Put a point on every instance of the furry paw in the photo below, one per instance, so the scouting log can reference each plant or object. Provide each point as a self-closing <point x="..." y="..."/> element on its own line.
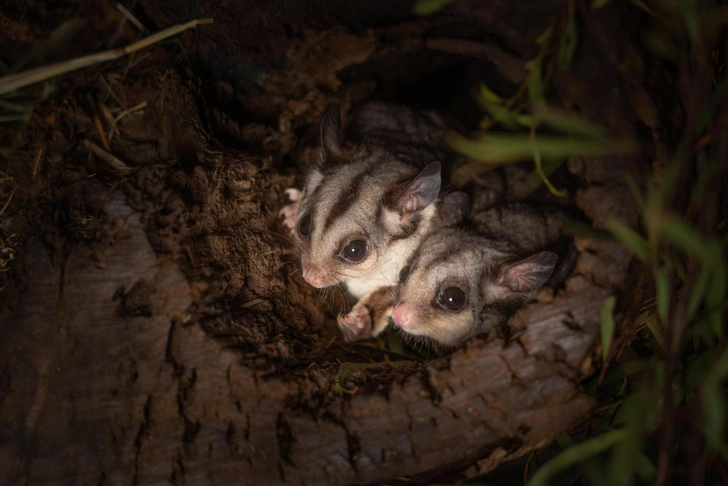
<point x="357" y="324"/>
<point x="290" y="211"/>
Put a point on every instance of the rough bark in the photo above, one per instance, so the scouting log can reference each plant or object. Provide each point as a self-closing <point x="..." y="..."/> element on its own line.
<point x="154" y="329"/>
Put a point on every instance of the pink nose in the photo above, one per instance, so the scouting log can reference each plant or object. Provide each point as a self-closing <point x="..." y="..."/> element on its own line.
<point x="315" y="276"/>
<point x="405" y="315"/>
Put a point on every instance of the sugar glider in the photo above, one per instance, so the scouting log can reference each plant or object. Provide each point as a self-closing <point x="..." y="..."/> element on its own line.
<point x="368" y="202"/>
<point x="461" y="283"/>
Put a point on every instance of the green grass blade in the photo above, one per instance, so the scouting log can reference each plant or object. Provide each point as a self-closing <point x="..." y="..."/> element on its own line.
<point x="12" y="82"/>
<point x="507" y="148"/>
<point x="499" y="113"/>
<point x="630" y="238"/>
<point x="536" y="89"/>
<point x="659" y="45"/>
<point x="656" y="332"/>
<point x="662" y="289"/>
<point x="714" y="403"/>
<point x="576" y="455"/>
<point x="607" y="326"/>
<point x="569" y="40"/>
<point x="644" y="468"/>
<point x="717" y="290"/>
<point x="636" y="193"/>
<point x="698" y="292"/>
<point x="429" y="7"/>
<point x="569" y="124"/>
<point x="565" y="441"/>
<point x="487" y="94"/>
<point x="617" y="374"/>
<point x="688" y="239"/>
<point x="537" y="162"/>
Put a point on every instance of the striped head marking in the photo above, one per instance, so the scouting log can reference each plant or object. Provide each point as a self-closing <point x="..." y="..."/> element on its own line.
<point x="362" y="213"/>
<point x="460" y="284"/>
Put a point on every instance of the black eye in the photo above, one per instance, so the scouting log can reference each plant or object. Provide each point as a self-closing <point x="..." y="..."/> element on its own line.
<point x="304" y="227"/>
<point x="451" y="298"/>
<point x="355" y="250"/>
<point x="404" y="273"/>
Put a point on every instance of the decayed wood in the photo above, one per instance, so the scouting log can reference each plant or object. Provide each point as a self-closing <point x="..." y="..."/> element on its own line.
<point x="167" y="340"/>
<point x="145" y="399"/>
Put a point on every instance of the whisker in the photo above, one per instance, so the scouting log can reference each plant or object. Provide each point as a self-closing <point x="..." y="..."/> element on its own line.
<point x="329" y="299"/>
<point x="344" y="298"/>
<point x="339" y="273"/>
<point x="322" y="294"/>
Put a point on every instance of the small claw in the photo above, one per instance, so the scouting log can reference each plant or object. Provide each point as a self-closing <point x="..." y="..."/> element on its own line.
<point x="294" y="194"/>
<point x="289" y="213"/>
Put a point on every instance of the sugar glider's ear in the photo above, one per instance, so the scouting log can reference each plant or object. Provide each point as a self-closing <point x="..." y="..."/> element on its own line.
<point x="420" y="192"/>
<point x="333" y="145"/>
<point x="529" y="274"/>
<point x="454" y="207"/>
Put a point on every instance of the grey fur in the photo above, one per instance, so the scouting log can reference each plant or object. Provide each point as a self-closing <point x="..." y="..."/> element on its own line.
<point x="359" y="190"/>
<point x="510" y="253"/>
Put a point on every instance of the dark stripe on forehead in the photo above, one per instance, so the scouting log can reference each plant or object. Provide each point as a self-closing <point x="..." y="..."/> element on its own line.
<point x="348" y="196"/>
<point x="442" y="257"/>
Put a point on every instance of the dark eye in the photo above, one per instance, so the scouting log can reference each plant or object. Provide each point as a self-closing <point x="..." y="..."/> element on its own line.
<point x="304" y="227"/>
<point x="355" y="250"/>
<point x="451" y="298"/>
<point x="404" y="273"/>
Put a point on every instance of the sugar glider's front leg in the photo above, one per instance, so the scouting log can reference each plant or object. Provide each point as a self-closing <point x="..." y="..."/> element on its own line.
<point x="290" y="211"/>
<point x="369" y="316"/>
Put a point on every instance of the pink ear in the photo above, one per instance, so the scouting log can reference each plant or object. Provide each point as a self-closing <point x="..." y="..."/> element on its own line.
<point x="420" y="192"/>
<point x="529" y="274"/>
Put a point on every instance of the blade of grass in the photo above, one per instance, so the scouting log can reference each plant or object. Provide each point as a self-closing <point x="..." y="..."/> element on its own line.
<point x="577" y="454"/>
<point x="662" y="289"/>
<point x="506" y="148"/>
<point x="698" y="293"/>
<point x="14" y="118"/>
<point x="644" y="468"/>
<point x="537" y="162"/>
<point x="487" y="94"/>
<point x="565" y="441"/>
<point x="630" y="238"/>
<point x="13" y="106"/>
<point x="688" y="239"/>
<point x="569" y="39"/>
<point x="536" y="87"/>
<point x="15" y="81"/>
<point x="714" y="403"/>
<point x="656" y="332"/>
<point x="569" y="124"/>
<point x="607" y="326"/>
<point x="636" y="193"/>
<point x="617" y="374"/>
<point x="429" y="7"/>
